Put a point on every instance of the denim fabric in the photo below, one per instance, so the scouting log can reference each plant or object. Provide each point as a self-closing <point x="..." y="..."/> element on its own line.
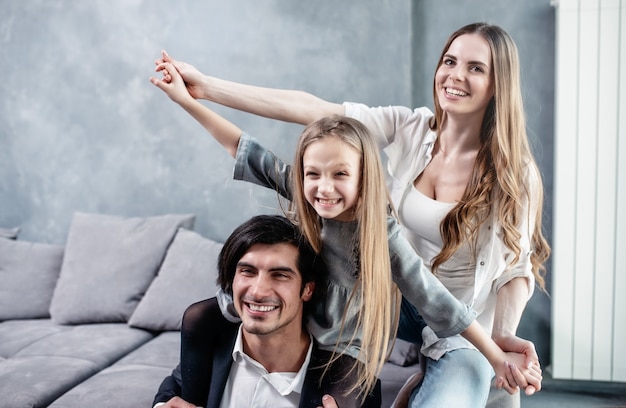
<point x="460" y="379"/>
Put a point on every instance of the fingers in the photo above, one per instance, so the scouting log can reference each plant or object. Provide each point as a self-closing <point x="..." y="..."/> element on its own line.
<point x="514" y="376"/>
<point x="166" y="57"/>
<point x="177" y="402"/>
<point x="531" y="356"/>
<point x="162" y="66"/>
<point x="535" y="369"/>
<point x="511" y="389"/>
<point x="529" y="380"/>
<point x="167" y="70"/>
<point x="328" y="402"/>
<point x="503" y="383"/>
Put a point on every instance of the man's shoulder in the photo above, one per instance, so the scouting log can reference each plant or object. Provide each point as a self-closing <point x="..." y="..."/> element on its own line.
<point x="205" y="316"/>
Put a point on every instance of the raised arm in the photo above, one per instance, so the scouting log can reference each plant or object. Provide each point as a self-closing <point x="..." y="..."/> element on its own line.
<point x="225" y="132"/>
<point x="286" y="105"/>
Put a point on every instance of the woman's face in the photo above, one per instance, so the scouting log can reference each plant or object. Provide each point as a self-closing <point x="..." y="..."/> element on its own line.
<point x="464" y="79"/>
<point x="332" y="173"/>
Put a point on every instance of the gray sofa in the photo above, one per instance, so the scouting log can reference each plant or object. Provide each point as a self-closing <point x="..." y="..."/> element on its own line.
<point x="94" y="323"/>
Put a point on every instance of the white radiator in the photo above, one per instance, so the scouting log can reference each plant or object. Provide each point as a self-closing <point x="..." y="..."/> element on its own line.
<point x="589" y="230"/>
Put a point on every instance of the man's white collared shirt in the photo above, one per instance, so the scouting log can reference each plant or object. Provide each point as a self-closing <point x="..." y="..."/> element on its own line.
<point x="251" y="385"/>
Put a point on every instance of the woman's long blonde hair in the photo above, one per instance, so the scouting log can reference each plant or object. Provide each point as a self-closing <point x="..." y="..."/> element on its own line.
<point x="504" y="170"/>
<point x="377" y="296"/>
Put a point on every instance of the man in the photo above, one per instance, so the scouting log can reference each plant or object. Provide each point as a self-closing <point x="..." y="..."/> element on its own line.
<point x="269" y="359"/>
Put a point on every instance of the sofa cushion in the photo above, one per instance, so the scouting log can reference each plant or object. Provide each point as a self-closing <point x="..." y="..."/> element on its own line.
<point x="44" y="360"/>
<point x="37" y="381"/>
<point x="188" y="274"/>
<point x="109" y="263"/>
<point x="16" y="335"/>
<point x="10" y="233"/>
<point x="28" y="275"/>
<point x="131" y="382"/>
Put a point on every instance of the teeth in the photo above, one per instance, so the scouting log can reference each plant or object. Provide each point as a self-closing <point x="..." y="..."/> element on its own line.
<point x="323" y="201"/>
<point x="258" y="308"/>
<point x="456" y="92"/>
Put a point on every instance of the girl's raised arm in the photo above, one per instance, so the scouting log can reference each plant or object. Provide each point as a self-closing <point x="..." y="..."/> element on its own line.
<point x="225" y="132"/>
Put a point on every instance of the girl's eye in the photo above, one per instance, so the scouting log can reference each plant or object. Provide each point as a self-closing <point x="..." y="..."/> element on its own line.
<point x="448" y="61"/>
<point x="310" y="174"/>
<point x="476" y="68"/>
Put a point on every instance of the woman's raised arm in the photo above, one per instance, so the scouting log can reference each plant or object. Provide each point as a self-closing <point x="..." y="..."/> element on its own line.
<point x="286" y="105"/>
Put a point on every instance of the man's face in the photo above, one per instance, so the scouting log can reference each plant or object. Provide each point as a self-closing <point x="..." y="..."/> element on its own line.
<point x="266" y="290"/>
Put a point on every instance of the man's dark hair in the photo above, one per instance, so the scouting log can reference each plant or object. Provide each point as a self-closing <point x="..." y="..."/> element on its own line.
<point x="268" y="229"/>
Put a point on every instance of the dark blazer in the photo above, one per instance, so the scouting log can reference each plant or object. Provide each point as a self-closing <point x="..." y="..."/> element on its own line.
<point x="207" y="341"/>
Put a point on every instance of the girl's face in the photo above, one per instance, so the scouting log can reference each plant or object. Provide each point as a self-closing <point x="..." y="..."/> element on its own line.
<point x="332" y="175"/>
<point x="464" y="79"/>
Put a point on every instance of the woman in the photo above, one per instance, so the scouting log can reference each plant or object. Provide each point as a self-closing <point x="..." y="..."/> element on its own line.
<point x="465" y="185"/>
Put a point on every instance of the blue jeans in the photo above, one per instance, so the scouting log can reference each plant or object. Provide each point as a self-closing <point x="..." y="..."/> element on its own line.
<point x="460" y="378"/>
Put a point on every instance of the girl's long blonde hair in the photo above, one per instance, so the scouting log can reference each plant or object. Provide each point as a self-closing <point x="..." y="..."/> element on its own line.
<point x="377" y="296"/>
<point x="505" y="177"/>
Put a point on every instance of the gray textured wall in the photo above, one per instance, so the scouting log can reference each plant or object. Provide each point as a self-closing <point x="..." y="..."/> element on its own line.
<point x="82" y="129"/>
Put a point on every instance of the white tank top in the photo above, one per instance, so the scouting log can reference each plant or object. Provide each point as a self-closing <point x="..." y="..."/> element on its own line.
<point x="421" y="217"/>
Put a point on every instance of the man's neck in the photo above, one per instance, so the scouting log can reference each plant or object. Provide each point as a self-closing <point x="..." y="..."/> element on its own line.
<point x="277" y="353"/>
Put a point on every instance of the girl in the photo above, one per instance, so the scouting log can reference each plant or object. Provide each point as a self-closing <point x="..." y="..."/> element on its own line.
<point x="340" y="202"/>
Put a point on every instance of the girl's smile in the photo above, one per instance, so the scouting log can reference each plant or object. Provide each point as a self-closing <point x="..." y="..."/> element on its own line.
<point x="332" y="173"/>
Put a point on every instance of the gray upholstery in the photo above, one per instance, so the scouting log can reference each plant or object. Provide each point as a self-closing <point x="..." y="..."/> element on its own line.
<point x="135" y="378"/>
<point x="108" y="265"/>
<point x="188" y="275"/>
<point x="29" y="265"/>
<point x="43" y="360"/>
<point x="120" y="364"/>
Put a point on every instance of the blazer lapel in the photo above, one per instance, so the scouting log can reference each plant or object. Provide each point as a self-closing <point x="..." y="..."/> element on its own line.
<point x="222" y="361"/>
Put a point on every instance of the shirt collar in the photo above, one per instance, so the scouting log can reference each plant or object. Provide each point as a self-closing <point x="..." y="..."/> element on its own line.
<point x="277" y="381"/>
